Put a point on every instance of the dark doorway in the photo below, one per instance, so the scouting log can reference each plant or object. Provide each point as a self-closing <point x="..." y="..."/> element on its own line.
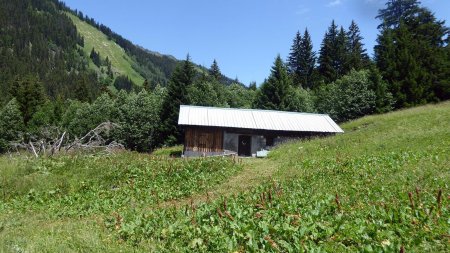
<point x="269" y="140"/>
<point x="245" y="145"/>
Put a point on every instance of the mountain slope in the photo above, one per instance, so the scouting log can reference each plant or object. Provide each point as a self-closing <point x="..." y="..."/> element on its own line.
<point x="43" y="42"/>
<point x="153" y="66"/>
<point x="39" y="43"/>
<point x="121" y="63"/>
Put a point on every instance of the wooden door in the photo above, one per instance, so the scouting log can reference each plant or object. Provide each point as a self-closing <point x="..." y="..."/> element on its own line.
<point x="245" y="145"/>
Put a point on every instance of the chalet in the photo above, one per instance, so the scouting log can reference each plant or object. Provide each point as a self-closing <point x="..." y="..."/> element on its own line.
<point x="219" y="131"/>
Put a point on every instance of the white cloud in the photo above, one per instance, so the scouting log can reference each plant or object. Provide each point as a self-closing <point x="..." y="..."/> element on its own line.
<point x="334" y="3"/>
<point x="302" y="10"/>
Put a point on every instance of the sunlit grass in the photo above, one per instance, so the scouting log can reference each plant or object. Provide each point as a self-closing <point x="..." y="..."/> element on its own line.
<point x="94" y="38"/>
<point x="374" y="188"/>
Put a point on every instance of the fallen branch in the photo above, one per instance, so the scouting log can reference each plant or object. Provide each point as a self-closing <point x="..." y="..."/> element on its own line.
<point x="34" y="150"/>
<point x="60" y="141"/>
<point x="91" y="140"/>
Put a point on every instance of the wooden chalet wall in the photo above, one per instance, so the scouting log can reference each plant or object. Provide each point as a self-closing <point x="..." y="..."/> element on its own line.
<point x="199" y="139"/>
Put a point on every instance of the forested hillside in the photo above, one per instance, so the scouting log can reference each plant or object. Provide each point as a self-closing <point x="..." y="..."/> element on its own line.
<point x="39" y="51"/>
<point x="69" y="55"/>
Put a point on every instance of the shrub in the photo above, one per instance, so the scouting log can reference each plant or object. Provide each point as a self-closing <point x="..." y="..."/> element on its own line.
<point x="11" y="124"/>
<point x="138" y="118"/>
<point x="347" y="98"/>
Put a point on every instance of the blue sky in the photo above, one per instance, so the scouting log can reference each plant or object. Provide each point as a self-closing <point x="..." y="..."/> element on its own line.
<point x="244" y="36"/>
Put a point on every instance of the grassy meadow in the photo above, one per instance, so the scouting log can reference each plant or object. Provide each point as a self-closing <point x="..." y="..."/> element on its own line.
<point x="93" y="38"/>
<point x="380" y="187"/>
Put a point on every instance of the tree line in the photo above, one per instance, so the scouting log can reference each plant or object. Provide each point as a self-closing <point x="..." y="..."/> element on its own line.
<point x="38" y="41"/>
<point x="144" y="116"/>
<point x="410" y="67"/>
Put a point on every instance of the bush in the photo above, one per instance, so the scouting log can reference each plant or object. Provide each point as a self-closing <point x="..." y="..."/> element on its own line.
<point x="299" y="100"/>
<point x="138" y="118"/>
<point x="239" y="96"/>
<point x="47" y="117"/>
<point x="11" y="124"/>
<point x="205" y="93"/>
<point x="347" y="98"/>
<point x="87" y="117"/>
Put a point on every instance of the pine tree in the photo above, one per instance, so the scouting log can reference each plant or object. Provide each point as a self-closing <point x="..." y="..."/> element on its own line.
<point x="307" y="61"/>
<point x="177" y="94"/>
<point x="395" y="11"/>
<point x="383" y="98"/>
<point x="341" y="57"/>
<point x="95" y="56"/>
<point x="214" y="71"/>
<point x="293" y="62"/>
<point x="124" y="83"/>
<point x="442" y="86"/>
<point x="411" y="55"/>
<point x="109" y="71"/>
<point x="11" y="124"/>
<point x="358" y="58"/>
<point x="29" y="93"/>
<point x="147" y="86"/>
<point x="274" y="91"/>
<point x="327" y="56"/>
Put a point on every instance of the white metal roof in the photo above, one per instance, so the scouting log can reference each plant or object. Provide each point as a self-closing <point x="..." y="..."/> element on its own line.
<point x="256" y="119"/>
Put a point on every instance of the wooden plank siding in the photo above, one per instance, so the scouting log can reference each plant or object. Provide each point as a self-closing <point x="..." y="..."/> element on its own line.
<point x="205" y="140"/>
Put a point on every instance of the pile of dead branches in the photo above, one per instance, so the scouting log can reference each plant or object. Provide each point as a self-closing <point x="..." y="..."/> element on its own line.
<point x="93" y="140"/>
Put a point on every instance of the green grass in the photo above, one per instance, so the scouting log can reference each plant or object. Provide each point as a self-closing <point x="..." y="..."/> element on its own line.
<point x="373" y="189"/>
<point x="93" y="38"/>
<point x="55" y="194"/>
<point x="169" y="151"/>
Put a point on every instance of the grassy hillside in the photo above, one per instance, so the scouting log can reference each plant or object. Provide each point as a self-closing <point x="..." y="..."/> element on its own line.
<point x="158" y="67"/>
<point x="93" y="38"/>
<point x="381" y="186"/>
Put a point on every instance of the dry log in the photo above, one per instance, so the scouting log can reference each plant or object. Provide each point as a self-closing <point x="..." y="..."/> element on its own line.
<point x="34" y="150"/>
<point x="91" y="140"/>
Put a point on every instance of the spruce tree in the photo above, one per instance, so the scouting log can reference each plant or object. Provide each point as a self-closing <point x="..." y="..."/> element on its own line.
<point x="123" y="83"/>
<point x="395" y="11"/>
<point x="11" y="124"/>
<point x="358" y="58"/>
<point x="95" y="56"/>
<point x="29" y="93"/>
<point x="341" y="57"/>
<point x="411" y="54"/>
<point x="293" y="62"/>
<point x="383" y="98"/>
<point x="177" y="94"/>
<point x="327" y="56"/>
<point x="307" y="61"/>
<point x="274" y="90"/>
<point x="148" y="86"/>
<point x="109" y="71"/>
<point x="214" y="71"/>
